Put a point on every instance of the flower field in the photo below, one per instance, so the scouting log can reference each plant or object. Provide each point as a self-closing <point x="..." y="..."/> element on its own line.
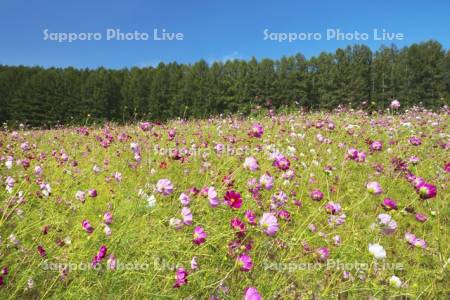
<point x="273" y="206"/>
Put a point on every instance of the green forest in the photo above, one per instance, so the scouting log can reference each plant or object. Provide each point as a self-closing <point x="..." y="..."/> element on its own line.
<point x="354" y="76"/>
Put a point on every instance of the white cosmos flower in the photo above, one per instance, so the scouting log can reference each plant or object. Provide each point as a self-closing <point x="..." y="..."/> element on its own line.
<point x="151" y="201"/>
<point x="377" y="251"/>
<point x="395" y="281"/>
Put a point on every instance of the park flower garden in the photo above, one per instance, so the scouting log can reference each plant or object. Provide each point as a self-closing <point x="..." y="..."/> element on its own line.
<point x="271" y="206"/>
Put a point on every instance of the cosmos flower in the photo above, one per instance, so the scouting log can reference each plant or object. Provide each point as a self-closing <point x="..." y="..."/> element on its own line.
<point x="244" y="262"/>
<point x="377" y="251"/>
<point x="233" y="199"/>
<point x="107" y="217"/>
<point x="212" y="197"/>
<point x="333" y="208"/>
<point x="199" y="235"/>
<point x="426" y="190"/>
<point x="281" y="162"/>
<point x="395" y="104"/>
<point x="376" y="146"/>
<point x="250" y="217"/>
<point x="421" y="217"/>
<point x="87" y="226"/>
<point x="41" y="251"/>
<point x="237" y="224"/>
<point x="316" y="195"/>
<point x="107" y="230"/>
<point x="251" y="293"/>
<point x="251" y="163"/>
<point x="395" y="281"/>
<point x="388" y="225"/>
<point x="194" y="264"/>
<point x="269" y="224"/>
<point x="151" y="201"/>
<point x="176" y="223"/>
<point x="322" y="253"/>
<point x="256" y="131"/>
<point x="389" y="204"/>
<point x="164" y="186"/>
<point x="415" y="141"/>
<point x="111" y="263"/>
<point x="187" y="215"/>
<point x="80" y="196"/>
<point x="185" y="199"/>
<point x="92" y="193"/>
<point x="415" y="241"/>
<point x="374" y="187"/>
<point x="180" y="277"/>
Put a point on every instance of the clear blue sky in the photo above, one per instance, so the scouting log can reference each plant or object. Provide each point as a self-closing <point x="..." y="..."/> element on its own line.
<point x="213" y="30"/>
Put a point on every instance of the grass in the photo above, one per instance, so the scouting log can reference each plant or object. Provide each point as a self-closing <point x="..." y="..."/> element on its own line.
<point x="148" y="250"/>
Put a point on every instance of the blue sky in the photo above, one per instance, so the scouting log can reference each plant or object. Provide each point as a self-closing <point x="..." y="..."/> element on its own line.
<point x="213" y="30"/>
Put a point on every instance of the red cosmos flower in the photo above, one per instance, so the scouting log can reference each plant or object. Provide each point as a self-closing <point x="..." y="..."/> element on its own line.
<point x="233" y="199"/>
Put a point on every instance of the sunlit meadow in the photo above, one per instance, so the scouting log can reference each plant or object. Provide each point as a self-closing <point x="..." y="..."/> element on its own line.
<point x="274" y="206"/>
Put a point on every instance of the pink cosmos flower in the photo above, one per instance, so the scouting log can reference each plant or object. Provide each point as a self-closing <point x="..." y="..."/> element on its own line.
<point x="185" y="199"/>
<point x="212" y="196"/>
<point x="187" y="215"/>
<point x="194" y="264"/>
<point x="100" y="255"/>
<point x="415" y="241"/>
<point x="284" y="215"/>
<point x="180" y="277"/>
<point x="251" y="293"/>
<point x="421" y="217"/>
<point x="316" y="195"/>
<point x="87" y="226"/>
<point x="415" y="141"/>
<point x="81" y="196"/>
<point x="333" y="208"/>
<point x="250" y="217"/>
<point x="245" y="262"/>
<point x="256" y="131"/>
<point x="269" y="224"/>
<point x="237" y="224"/>
<point x="388" y="225"/>
<point x="233" y="199"/>
<point x="164" y="186"/>
<point x="322" y="253"/>
<point x="111" y="262"/>
<point x="176" y="223"/>
<point x="426" y="190"/>
<point x="199" y="235"/>
<point x="251" y="163"/>
<point x="145" y="126"/>
<point x="374" y="187"/>
<point x="395" y="104"/>
<point x="107" y="217"/>
<point x="376" y="146"/>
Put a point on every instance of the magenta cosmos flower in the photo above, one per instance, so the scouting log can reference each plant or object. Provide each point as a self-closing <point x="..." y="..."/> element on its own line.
<point x="180" y="277"/>
<point x="251" y="163"/>
<point x="316" y="195"/>
<point x="87" y="226"/>
<point x="164" y="186"/>
<point x="269" y="224"/>
<point x="374" y="187"/>
<point x="256" y="131"/>
<point x="251" y="293"/>
<point x="281" y="162"/>
<point x="199" y="235"/>
<point x="426" y="190"/>
<point x="415" y="141"/>
<point x="250" y="217"/>
<point x="389" y="204"/>
<point x="245" y="262"/>
<point x="233" y="199"/>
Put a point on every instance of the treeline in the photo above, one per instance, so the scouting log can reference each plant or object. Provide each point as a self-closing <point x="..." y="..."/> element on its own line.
<point x="354" y="76"/>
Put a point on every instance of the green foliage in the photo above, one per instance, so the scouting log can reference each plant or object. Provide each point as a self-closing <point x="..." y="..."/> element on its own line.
<point x="353" y="76"/>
